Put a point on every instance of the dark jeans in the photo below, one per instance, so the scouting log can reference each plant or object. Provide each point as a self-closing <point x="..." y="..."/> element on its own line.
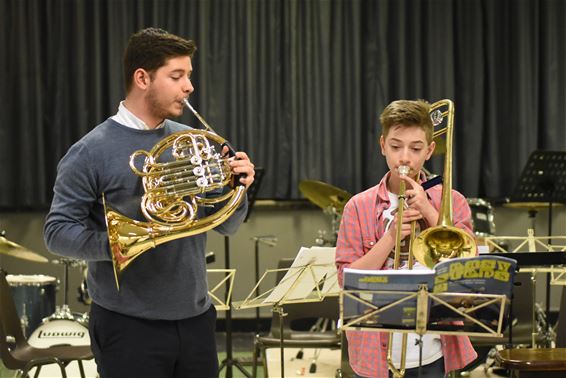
<point x="434" y="370"/>
<point x="126" y="346"/>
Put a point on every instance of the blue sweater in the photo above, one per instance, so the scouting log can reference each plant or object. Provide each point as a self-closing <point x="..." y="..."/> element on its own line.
<point x="167" y="282"/>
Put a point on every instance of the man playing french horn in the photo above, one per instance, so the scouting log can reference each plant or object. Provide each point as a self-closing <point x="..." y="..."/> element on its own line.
<point x="369" y="233"/>
<point x="160" y="321"/>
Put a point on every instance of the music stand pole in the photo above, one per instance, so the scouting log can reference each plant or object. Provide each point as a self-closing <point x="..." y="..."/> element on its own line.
<point x="229" y="361"/>
<point x="547" y="341"/>
<point x="256" y="256"/>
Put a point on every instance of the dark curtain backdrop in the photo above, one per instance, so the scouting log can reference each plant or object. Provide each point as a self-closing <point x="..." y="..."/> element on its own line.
<point x="299" y="85"/>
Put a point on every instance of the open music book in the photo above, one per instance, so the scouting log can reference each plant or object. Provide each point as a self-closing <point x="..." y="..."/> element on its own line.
<point x="453" y="281"/>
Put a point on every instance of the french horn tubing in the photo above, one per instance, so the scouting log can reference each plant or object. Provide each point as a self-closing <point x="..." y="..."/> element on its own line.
<point x="176" y="175"/>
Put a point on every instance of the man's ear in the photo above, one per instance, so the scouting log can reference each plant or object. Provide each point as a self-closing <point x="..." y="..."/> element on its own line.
<point x="382" y="144"/>
<point x="141" y="78"/>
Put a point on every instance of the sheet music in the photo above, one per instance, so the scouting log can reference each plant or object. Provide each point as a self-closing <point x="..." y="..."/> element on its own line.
<point x="312" y="266"/>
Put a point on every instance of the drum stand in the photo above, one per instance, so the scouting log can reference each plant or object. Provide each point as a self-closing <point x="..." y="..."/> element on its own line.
<point x="64" y="311"/>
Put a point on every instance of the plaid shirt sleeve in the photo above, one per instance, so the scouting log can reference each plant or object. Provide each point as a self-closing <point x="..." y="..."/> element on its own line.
<point x="349" y="243"/>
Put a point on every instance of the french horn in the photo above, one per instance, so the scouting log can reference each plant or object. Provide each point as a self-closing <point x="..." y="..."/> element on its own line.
<point x="176" y="175"/>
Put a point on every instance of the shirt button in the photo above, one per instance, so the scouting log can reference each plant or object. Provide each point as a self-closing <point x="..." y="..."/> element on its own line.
<point x="371" y="243"/>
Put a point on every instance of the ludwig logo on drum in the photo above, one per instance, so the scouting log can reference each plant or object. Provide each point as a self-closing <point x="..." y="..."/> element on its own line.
<point x="57" y="334"/>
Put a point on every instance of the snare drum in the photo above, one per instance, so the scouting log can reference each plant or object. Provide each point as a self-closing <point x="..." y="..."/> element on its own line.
<point x="34" y="297"/>
<point x="62" y="332"/>
<point x="482" y="217"/>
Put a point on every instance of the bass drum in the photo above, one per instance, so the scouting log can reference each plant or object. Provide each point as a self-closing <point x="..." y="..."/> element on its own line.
<point x="62" y="332"/>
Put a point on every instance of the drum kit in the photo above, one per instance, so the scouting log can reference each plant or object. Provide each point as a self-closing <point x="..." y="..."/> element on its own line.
<point x="42" y="322"/>
<point x="332" y="201"/>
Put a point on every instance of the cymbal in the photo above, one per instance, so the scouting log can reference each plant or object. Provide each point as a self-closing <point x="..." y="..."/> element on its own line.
<point x="15" y="250"/>
<point x="324" y="195"/>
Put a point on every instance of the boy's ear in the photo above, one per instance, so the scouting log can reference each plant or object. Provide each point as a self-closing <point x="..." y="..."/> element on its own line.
<point x="431" y="148"/>
<point x="382" y="144"/>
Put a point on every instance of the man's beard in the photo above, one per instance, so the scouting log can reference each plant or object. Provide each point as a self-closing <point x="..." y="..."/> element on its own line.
<point x="158" y="108"/>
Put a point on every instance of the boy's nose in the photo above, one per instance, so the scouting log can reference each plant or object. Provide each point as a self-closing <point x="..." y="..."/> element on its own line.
<point x="404" y="158"/>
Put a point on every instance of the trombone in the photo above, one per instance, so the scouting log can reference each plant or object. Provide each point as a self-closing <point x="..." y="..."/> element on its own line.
<point x="443" y="241"/>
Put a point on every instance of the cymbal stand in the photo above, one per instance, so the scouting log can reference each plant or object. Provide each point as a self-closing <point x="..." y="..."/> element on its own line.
<point x="322" y="239"/>
<point x="63" y="312"/>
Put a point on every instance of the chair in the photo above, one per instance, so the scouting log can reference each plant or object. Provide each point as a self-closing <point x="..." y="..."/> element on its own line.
<point x="15" y="351"/>
<point x="293" y="338"/>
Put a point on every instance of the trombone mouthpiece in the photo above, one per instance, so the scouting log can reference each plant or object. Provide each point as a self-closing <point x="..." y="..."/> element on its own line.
<point x="403" y="170"/>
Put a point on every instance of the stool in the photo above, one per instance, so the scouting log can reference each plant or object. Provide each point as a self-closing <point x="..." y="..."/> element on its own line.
<point x="529" y="362"/>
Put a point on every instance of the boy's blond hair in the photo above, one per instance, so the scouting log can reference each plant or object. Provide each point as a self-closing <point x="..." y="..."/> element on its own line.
<point x="407" y="113"/>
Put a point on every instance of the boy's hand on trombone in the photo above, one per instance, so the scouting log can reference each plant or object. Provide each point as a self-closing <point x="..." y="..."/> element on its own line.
<point x="417" y="199"/>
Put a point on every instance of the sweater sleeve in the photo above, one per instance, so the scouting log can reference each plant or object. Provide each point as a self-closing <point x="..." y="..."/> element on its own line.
<point x="231" y="225"/>
<point x="68" y="231"/>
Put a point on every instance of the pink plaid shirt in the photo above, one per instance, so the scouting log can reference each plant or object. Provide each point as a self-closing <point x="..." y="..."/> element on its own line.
<point x="361" y="227"/>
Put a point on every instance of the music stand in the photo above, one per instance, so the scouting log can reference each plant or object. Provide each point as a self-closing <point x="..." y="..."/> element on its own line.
<point x="422" y="302"/>
<point x="228" y="279"/>
<point x="540" y="258"/>
<point x="542" y="182"/>
<point x="228" y="362"/>
<point x="254" y="189"/>
<point x="311" y="278"/>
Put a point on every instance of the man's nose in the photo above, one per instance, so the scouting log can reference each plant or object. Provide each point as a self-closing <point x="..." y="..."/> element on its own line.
<point x="189" y="86"/>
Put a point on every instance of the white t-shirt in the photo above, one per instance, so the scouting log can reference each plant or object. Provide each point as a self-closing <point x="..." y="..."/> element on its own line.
<point x="432" y="347"/>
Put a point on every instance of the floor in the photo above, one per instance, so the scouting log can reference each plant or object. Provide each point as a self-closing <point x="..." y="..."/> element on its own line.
<point x="242" y="346"/>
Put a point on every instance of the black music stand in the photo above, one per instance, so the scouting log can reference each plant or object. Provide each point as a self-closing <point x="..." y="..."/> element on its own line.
<point x="228" y="362"/>
<point x="253" y="189"/>
<point x="542" y="181"/>
<point x="270" y="240"/>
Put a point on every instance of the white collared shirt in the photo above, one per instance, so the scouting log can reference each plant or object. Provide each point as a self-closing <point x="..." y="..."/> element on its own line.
<point x="127" y="118"/>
